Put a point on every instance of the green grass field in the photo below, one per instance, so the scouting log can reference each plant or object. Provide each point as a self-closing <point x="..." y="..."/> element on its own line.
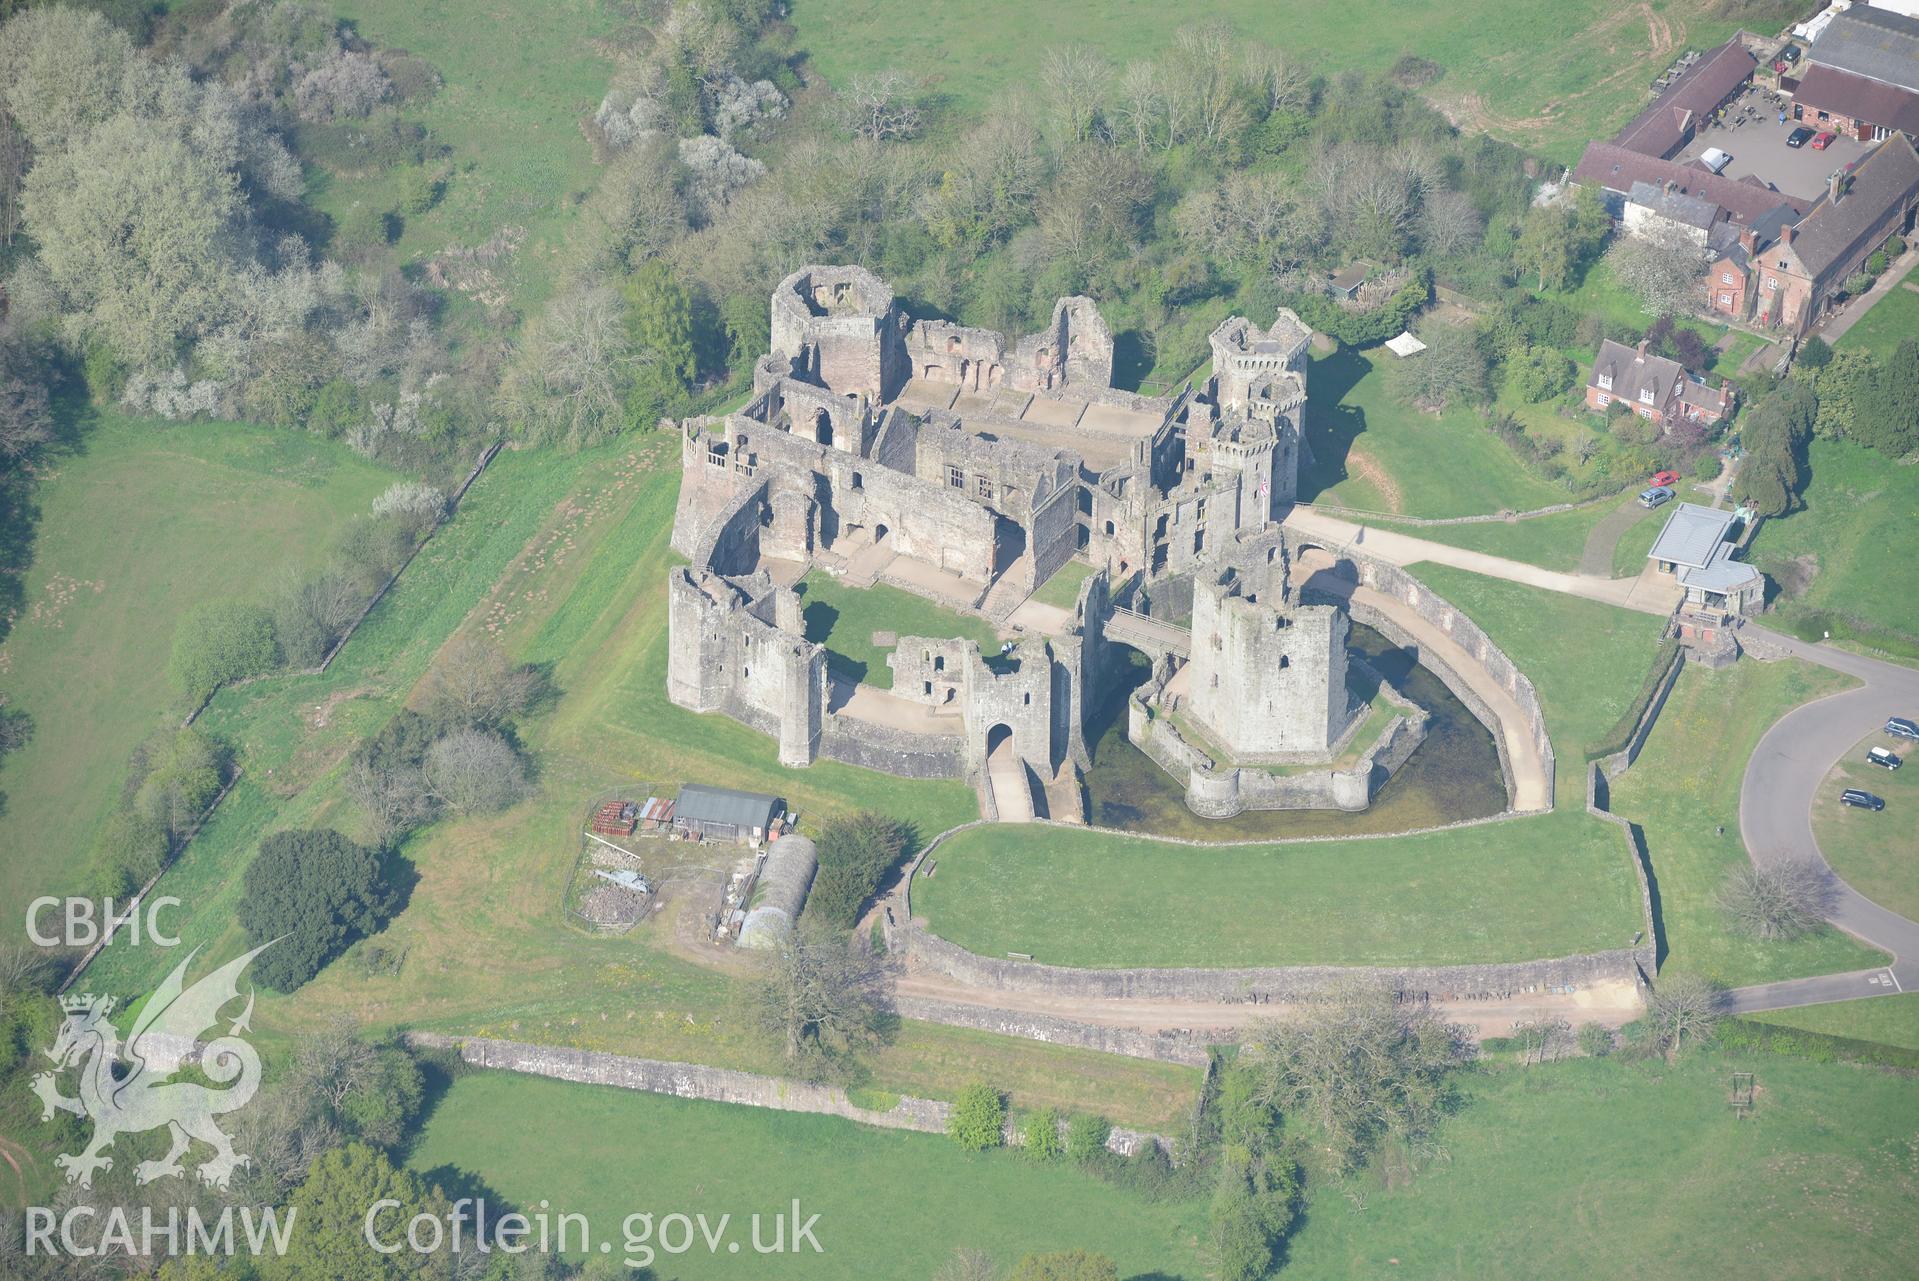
<point x="144" y="521"/>
<point x="1513" y="72"/>
<point x="1685" y="786"/>
<point x="1372" y="453"/>
<point x="1889" y="1020"/>
<point x="844" y="619"/>
<point x="510" y="111"/>
<point x="1892" y="319"/>
<point x="1630" y="552"/>
<point x="1506" y="891"/>
<point x="1863" y="585"/>
<point x="1879" y="859"/>
<point x="1639" y="1169"/>
<point x="891" y="1204"/>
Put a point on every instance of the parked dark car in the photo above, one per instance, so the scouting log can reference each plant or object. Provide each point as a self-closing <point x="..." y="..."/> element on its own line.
<point x="1799" y="137"/>
<point x="1882" y="758"/>
<point x="1860" y="800"/>
<point x="1900" y="727"/>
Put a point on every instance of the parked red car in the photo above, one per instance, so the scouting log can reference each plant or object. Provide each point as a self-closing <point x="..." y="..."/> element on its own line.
<point x="1823" y="141"/>
<point x="1665" y="478"/>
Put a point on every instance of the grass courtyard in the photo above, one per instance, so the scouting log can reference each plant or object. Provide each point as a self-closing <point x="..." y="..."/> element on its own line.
<point x="1685" y="786"/>
<point x="138" y="525"/>
<point x="845" y="620"/>
<point x="1843" y="551"/>
<point x="1879" y="859"/>
<point x="891" y="1204"/>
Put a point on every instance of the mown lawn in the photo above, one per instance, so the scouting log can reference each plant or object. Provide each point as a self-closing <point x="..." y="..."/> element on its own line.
<point x="1062" y="589"/>
<point x="844" y="620"/>
<point x="1630" y="552"/>
<point x="1603" y="1167"/>
<point x="1512" y="71"/>
<point x="1849" y="539"/>
<point x="891" y="1204"/>
<point x="1877" y="857"/>
<point x="1892" y="319"/>
<point x="1585" y="659"/>
<point x="1371" y="452"/>
<point x="144" y="521"/>
<point x="1506" y="891"/>
<point x="1685" y="786"/>
<point x="1889" y="1020"/>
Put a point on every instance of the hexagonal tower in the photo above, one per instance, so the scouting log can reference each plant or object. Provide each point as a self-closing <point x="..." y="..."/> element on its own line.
<point x="842" y="329"/>
<point x="1259" y="377"/>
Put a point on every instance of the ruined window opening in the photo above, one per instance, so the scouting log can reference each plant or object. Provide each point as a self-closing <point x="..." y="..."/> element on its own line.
<point x="939" y="664"/>
<point x="985" y="487"/>
<point x="956" y="478"/>
<point x="927" y="688"/>
<point x="1026" y="700"/>
<point x="1284" y="662"/>
<point x="859" y="481"/>
<point x="1109" y="529"/>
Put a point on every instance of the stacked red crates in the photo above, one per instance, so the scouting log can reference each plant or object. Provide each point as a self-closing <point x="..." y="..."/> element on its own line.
<point x="617" y="818"/>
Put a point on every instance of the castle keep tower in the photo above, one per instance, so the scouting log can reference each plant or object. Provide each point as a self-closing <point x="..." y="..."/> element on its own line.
<point x="1268" y="678"/>
<point x="1259" y="384"/>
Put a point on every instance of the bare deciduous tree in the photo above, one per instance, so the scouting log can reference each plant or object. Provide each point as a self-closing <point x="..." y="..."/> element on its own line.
<point x="474" y="771"/>
<point x="1075" y="78"/>
<point x="882" y="105"/>
<point x="1358" y="1069"/>
<point x="967" y="1264"/>
<point x="1544" y="1038"/>
<point x="1778" y="900"/>
<point x="1449" y="222"/>
<point x="822" y="1000"/>
<point x="474" y="683"/>
<point x="393" y="798"/>
<point x="1684" y="1010"/>
<point x="569" y="380"/>
<point x="332" y="1063"/>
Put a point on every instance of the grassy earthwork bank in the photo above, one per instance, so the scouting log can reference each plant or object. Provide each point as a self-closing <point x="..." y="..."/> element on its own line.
<point x="1879" y="859"/>
<point x="1554" y="541"/>
<point x="1372" y="453"/>
<point x="1606" y="1167"/>
<point x="1685" y="787"/>
<point x="137" y="525"/>
<point x="1841" y="560"/>
<point x="891" y="1204"/>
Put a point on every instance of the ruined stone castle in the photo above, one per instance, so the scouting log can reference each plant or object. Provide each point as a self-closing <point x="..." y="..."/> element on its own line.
<point x="967" y="467"/>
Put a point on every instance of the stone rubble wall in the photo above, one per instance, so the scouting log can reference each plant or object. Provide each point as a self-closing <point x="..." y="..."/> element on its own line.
<point x="1186" y="1046"/>
<point x="718" y="1085"/>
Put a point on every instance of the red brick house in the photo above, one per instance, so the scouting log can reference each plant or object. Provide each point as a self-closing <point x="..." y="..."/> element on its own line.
<point x="1657" y="389"/>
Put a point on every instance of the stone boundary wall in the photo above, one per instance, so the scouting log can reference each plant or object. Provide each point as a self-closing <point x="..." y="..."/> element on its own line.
<point x="1620" y="761"/>
<point x="719" y="1085"/>
<point x="1184" y="1046"/>
<point x="1646" y="948"/>
<point x="1260" y="985"/>
<point x="891" y="750"/>
<point x="1468" y="635"/>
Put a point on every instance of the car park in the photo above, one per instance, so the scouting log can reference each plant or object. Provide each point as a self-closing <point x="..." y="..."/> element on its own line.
<point x="1655" y="496"/>
<point x="1900" y="727"/>
<point x="1799" y="137"/>
<point x="1861" y="800"/>
<point x="1882" y="758"/>
<point x="1824" y="140"/>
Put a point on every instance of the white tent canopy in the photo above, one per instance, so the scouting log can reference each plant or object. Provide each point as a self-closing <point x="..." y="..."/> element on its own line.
<point x="1405" y="345"/>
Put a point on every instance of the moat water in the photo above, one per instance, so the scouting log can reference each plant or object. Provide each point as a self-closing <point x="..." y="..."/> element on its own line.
<point x="1452" y="777"/>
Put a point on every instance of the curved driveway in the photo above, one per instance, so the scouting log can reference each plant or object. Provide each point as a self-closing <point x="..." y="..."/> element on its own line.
<point x="1775" y="817"/>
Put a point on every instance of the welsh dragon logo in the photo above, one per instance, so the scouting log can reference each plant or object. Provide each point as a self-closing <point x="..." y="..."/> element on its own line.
<point x="139" y="1097"/>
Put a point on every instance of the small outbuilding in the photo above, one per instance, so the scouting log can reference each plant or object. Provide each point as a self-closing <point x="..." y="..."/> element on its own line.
<point x="780" y="892"/>
<point x="1695" y="550"/>
<point x="722" y="814"/>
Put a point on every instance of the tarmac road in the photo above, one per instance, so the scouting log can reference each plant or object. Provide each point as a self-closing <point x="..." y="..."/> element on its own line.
<point x="1775" y="818"/>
